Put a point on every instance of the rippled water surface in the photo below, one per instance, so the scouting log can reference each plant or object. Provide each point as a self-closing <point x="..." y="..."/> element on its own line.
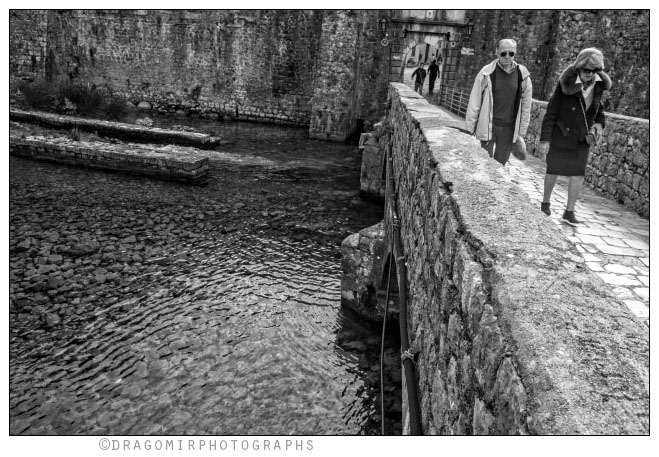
<point x="140" y="306"/>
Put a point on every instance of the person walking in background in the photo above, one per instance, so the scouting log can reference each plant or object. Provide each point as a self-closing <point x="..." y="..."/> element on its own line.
<point x="499" y="107"/>
<point x="419" y="76"/>
<point x="574" y="121"/>
<point x="433" y="71"/>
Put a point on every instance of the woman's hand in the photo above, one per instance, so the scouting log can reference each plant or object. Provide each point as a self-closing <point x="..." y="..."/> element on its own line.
<point x="543" y="149"/>
<point x="597" y="129"/>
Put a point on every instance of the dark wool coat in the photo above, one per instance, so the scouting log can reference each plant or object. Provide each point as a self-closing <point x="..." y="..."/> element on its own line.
<point x="564" y="124"/>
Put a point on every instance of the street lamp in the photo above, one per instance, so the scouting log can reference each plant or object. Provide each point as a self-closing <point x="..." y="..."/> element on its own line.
<point x="470" y="27"/>
<point x="383" y="24"/>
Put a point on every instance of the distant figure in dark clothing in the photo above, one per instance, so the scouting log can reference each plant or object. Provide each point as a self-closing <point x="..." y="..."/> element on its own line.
<point x="433" y="71"/>
<point x="419" y="76"/>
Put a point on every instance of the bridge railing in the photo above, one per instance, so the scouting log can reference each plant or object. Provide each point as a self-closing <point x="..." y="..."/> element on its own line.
<point x="453" y="99"/>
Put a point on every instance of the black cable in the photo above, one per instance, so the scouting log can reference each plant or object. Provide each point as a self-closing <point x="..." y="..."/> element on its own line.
<point x="384" y="326"/>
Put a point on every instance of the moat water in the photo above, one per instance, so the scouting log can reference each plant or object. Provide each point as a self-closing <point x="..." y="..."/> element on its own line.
<point x="140" y="306"/>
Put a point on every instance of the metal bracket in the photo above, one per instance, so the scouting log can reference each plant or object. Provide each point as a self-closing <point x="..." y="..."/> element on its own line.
<point x="409" y="354"/>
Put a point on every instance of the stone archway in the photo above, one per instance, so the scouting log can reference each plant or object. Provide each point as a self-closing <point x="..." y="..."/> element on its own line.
<point x="435" y="43"/>
<point x="440" y="29"/>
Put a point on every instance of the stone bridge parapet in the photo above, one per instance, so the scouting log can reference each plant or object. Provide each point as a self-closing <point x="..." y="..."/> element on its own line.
<point x="515" y="335"/>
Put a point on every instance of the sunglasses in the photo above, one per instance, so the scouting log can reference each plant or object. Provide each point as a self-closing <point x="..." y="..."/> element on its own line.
<point x="511" y="54"/>
<point x="591" y="70"/>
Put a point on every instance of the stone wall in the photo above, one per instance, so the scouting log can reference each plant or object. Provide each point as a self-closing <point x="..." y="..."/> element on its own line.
<point x="372" y="183"/>
<point x="515" y="335"/>
<point x="27" y="51"/>
<point x="619" y="167"/>
<point x="302" y="67"/>
<point x="362" y="256"/>
<point x="549" y="40"/>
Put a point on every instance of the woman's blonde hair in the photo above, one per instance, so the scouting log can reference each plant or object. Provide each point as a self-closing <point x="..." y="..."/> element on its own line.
<point x="592" y="56"/>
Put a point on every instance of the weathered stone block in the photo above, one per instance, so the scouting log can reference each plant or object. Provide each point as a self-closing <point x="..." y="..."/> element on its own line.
<point x="510" y="401"/>
<point x="483" y="421"/>
<point x="487" y="352"/>
<point x="362" y="262"/>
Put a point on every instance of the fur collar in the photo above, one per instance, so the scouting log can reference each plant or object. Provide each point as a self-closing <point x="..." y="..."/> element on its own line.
<point x="568" y="81"/>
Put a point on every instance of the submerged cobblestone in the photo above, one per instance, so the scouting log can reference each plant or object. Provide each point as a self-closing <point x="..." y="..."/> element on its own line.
<point x="146" y="307"/>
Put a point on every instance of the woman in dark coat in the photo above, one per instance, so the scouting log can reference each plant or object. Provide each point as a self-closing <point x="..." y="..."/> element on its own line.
<point x="573" y="122"/>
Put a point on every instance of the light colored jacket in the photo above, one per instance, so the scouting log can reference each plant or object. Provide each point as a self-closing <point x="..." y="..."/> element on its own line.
<point x="478" y="119"/>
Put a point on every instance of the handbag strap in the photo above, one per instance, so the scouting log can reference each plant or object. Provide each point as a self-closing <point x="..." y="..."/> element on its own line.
<point x="586" y="122"/>
<point x="584" y="116"/>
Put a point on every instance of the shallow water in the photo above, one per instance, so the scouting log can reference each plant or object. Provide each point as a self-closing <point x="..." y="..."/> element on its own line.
<point x="195" y="310"/>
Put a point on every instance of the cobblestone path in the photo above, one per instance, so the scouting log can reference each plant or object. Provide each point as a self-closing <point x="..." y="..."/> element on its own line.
<point x="613" y="241"/>
<point x="146" y="307"/>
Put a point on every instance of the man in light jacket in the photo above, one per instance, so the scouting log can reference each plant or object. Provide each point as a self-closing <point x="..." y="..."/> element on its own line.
<point x="500" y="104"/>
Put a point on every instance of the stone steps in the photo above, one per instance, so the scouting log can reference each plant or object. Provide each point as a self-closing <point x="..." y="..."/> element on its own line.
<point x="177" y="163"/>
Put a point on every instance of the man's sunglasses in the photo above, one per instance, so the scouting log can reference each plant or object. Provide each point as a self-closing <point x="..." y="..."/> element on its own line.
<point x="591" y="70"/>
<point x="511" y="54"/>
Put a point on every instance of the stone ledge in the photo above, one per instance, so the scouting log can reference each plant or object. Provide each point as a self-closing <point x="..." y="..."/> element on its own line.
<point x="121" y="130"/>
<point x="167" y="162"/>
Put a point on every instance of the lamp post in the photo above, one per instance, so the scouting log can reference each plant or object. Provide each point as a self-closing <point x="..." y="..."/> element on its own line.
<point x="470" y="28"/>
<point x="382" y="23"/>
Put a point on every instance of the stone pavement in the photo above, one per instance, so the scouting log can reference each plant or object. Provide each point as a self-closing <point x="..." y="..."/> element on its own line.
<point x="613" y="241"/>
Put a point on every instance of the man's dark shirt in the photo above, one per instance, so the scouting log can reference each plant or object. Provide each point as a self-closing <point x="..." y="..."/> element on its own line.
<point x="503" y="112"/>
<point x="420" y="75"/>
<point x="433" y="70"/>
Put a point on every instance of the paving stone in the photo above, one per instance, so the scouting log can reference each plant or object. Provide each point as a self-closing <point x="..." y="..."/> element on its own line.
<point x="615" y="250"/>
<point x="588" y="257"/>
<point x="616" y="228"/>
<point x="591" y="249"/>
<point x="594" y="266"/>
<point x="619" y="280"/>
<point x="639" y="308"/>
<point x="588" y="230"/>
<point x="614" y="241"/>
<point x="619" y="269"/>
<point x="643" y="292"/>
<point x="623" y="293"/>
<point x="641" y="231"/>
<point x="590" y="239"/>
<point x="610" y="213"/>
<point x="636" y="244"/>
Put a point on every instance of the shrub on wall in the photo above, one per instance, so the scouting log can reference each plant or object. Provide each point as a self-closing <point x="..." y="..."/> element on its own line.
<point x="87" y="100"/>
<point x="71" y="98"/>
<point x="39" y="96"/>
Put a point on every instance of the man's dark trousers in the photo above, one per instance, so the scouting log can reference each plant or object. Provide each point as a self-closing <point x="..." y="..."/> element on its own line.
<point x="501" y="144"/>
<point x="431" y="83"/>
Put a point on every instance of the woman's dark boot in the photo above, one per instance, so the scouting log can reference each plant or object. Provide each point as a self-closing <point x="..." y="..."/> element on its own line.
<point x="544" y="207"/>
